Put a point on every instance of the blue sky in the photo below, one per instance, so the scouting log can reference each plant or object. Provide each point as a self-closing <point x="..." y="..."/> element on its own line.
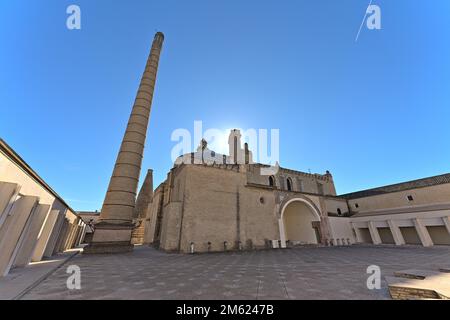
<point x="373" y="112"/>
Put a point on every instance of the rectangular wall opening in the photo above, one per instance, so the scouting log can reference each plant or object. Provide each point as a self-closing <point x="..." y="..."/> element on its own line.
<point x="386" y="235"/>
<point x="439" y="235"/>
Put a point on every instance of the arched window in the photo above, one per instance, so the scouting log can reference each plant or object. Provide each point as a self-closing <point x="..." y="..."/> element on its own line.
<point x="289" y="184"/>
<point x="271" y="181"/>
<point x="339" y="212"/>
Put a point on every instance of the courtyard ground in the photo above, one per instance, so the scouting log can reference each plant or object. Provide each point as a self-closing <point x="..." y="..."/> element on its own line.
<point x="300" y="273"/>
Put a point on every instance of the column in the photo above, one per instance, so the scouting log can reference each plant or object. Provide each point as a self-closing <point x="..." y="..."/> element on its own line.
<point x="70" y="235"/>
<point x="51" y="248"/>
<point x="62" y="238"/>
<point x="73" y="236"/>
<point x="423" y="233"/>
<point x="79" y="234"/>
<point x="396" y="233"/>
<point x="374" y="233"/>
<point x="30" y="241"/>
<point x="357" y="235"/>
<point x="83" y="234"/>
<point x="59" y="247"/>
<point x="11" y="231"/>
<point x="113" y="230"/>
<point x="282" y="234"/>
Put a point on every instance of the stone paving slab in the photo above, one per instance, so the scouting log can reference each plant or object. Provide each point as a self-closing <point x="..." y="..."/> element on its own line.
<point x="298" y="273"/>
<point x="21" y="280"/>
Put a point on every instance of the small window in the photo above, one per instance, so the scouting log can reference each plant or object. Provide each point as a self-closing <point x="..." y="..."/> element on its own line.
<point x="213" y="154"/>
<point x="356" y="205"/>
<point x="410" y="198"/>
<point x="289" y="184"/>
<point x="339" y="212"/>
<point x="300" y="185"/>
<point x="271" y="181"/>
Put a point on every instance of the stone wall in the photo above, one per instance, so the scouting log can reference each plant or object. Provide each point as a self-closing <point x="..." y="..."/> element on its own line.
<point x="34" y="221"/>
<point x="217" y="208"/>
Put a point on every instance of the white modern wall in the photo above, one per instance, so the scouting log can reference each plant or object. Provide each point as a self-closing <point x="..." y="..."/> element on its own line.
<point x="341" y="230"/>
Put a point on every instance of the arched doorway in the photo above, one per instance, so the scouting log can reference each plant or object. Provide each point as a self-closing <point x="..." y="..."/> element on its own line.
<point x="299" y="223"/>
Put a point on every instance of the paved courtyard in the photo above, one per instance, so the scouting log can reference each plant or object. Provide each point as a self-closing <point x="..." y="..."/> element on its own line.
<point x="300" y="273"/>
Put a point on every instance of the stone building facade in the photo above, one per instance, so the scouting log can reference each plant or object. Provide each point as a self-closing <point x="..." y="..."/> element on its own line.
<point x="213" y="205"/>
<point x="413" y="212"/>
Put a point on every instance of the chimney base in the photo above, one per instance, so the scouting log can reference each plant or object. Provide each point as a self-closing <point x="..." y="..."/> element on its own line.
<point x="111" y="238"/>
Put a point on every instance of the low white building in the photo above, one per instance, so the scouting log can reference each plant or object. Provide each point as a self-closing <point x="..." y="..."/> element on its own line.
<point x="35" y="222"/>
<point x="413" y="212"/>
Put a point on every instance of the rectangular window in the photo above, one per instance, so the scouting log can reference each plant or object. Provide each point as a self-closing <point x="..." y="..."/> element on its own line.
<point x="356" y="205"/>
<point x="410" y="198"/>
